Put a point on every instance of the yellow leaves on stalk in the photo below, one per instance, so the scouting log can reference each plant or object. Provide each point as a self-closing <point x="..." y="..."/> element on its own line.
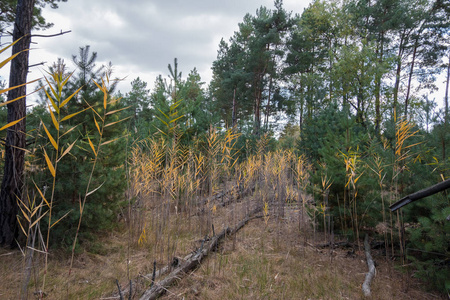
<point x="52" y="140"/>
<point x="11" y="124"/>
<point x="143" y="236"/>
<point x="266" y="212"/>
<point x="49" y="164"/>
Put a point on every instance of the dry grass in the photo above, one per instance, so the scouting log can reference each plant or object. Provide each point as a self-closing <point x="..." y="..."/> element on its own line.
<point x="270" y="258"/>
<point x="266" y="263"/>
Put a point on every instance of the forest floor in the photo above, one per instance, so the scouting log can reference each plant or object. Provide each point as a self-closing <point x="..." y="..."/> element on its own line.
<point x="266" y="259"/>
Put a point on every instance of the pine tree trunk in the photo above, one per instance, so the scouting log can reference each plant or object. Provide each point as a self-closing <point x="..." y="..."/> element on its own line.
<point x="410" y="79"/>
<point x="446" y="92"/>
<point x="12" y="184"/>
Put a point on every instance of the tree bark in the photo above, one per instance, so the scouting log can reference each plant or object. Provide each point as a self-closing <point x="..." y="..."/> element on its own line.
<point x="12" y="184"/>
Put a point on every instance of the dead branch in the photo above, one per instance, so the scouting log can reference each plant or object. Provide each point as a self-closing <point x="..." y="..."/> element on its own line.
<point x="371" y="265"/>
<point x="51" y="35"/>
<point x="441" y="186"/>
<point x="159" y="288"/>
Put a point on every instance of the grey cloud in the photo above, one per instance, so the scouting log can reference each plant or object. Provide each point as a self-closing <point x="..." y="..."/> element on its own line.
<point x="145" y="36"/>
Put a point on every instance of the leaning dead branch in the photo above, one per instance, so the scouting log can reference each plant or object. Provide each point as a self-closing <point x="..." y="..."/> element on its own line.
<point x="159" y="288"/>
<point x="371" y="265"/>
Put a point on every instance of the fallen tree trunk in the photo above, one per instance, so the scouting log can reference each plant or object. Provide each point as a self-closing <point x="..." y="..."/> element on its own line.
<point x="371" y="265"/>
<point x="159" y="288"/>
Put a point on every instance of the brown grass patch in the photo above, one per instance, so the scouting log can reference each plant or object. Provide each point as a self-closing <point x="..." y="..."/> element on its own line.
<point x="265" y="261"/>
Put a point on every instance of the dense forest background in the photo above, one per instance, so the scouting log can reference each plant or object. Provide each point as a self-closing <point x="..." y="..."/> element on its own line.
<point x="342" y="87"/>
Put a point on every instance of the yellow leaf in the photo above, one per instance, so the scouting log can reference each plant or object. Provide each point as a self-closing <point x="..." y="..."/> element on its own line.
<point x="42" y="195"/>
<point x="11" y="101"/>
<point x="67" y="79"/>
<point x="52" y="101"/>
<point x="10" y="45"/>
<point x="24" y="214"/>
<point x="52" y="140"/>
<point x="9" y="59"/>
<point x="92" y="146"/>
<point x="50" y="165"/>
<point x="68" y="131"/>
<point x="21" y="227"/>
<point x="12" y="88"/>
<point x="60" y="219"/>
<point x="52" y="89"/>
<point x="96" y="125"/>
<point x="107" y="142"/>
<point x="55" y="123"/>
<point x="116" y="122"/>
<point x="38" y="219"/>
<point x="67" y="150"/>
<point x="11" y="124"/>
<point x="68" y="98"/>
<point x="117" y="110"/>
<point x="72" y="115"/>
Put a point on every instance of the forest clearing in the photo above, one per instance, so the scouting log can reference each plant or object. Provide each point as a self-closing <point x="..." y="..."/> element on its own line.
<point x="279" y="179"/>
<point x="269" y="258"/>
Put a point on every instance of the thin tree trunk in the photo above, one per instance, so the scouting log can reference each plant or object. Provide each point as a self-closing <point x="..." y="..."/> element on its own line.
<point x="12" y="184"/>
<point x="266" y="119"/>
<point x="410" y="78"/>
<point x="446" y="92"/>
<point x="378" y="86"/>
<point x="233" y="116"/>
<point x="398" y="72"/>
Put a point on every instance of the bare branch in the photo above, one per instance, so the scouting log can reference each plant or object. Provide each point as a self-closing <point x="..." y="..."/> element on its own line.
<point x="51" y="35"/>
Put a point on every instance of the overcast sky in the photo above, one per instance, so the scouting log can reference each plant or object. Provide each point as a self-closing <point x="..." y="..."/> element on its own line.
<point x="141" y="37"/>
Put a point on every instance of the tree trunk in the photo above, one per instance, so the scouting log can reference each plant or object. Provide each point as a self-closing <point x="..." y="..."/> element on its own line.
<point x="410" y="78"/>
<point x="12" y="184"/>
<point x="233" y="116"/>
<point x="398" y="71"/>
<point x="266" y="119"/>
<point x="446" y="92"/>
<point x="378" y="76"/>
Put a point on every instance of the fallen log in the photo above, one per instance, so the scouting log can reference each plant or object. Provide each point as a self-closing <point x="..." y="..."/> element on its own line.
<point x="371" y="265"/>
<point x="159" y="288"/>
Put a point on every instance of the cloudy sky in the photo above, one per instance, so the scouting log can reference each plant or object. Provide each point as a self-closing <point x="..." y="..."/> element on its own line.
<point x="141" y="37"/>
